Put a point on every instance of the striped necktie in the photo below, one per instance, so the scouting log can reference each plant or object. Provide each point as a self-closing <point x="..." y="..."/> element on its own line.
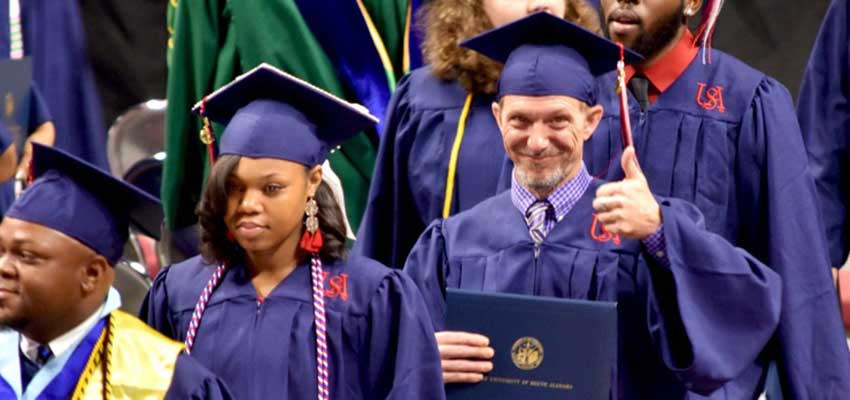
<point x="535" y="217"/>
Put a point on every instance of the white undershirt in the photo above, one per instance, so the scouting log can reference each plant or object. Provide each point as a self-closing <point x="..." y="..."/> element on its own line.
<point x="65" y="342"/>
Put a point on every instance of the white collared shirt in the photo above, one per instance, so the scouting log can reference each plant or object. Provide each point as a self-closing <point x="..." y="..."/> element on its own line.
<point x="65" y="342"/>
<point x="11" y="346"/>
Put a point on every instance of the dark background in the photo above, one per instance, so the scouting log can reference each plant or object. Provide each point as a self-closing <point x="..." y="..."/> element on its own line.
<point x="127" y="43"/>
<point x="774" y="36"/>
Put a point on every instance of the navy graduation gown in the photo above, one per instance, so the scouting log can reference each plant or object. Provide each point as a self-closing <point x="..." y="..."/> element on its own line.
<point x="192" y="381"/>
<point x="676" y="332"/>
<point x="725" y="138"/>
<point x="381" y="344"/>
<point x="825" y="123"/>
<point x="409" y="184"/>
<point x="54" y="36"/>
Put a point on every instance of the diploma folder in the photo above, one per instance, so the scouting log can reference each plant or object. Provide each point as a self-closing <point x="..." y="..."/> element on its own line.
<point x="546" y="348"/>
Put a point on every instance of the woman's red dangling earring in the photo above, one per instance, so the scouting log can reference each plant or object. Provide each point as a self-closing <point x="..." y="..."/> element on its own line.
<point x="312" y="240"/>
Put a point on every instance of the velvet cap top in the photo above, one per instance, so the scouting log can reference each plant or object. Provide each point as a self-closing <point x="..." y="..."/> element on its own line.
<point x="271" y="114"/>
<point x="545" y="55"/>
<point x="84" y="202"/>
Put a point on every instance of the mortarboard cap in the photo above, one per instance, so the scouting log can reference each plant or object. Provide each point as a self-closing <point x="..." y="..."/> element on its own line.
<point x="545" y="55"/>
<point x="86" y="203"/>
<point x="272" y="114"/>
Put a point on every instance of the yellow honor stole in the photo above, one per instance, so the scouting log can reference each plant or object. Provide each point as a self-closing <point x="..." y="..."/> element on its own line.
<point x="139" y="362"/>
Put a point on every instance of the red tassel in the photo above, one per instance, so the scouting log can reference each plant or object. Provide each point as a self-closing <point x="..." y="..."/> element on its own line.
<point x="312" y="242"/>
<point x="230" y="237"/>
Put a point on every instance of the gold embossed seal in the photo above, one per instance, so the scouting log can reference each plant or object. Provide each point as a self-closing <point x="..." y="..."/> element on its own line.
<point x="527" y="353"/>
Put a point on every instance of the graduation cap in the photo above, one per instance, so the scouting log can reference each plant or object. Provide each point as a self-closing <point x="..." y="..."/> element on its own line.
<point x="85" y="202"/>
<point x="272" y="114"/>
<point x="545" y="55"/>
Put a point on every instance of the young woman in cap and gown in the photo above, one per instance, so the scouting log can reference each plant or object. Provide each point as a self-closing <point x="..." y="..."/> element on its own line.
<point x="273" y="305"/>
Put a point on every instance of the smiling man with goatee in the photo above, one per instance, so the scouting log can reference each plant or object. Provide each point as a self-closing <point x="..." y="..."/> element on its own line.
<point x="560" y="233"/>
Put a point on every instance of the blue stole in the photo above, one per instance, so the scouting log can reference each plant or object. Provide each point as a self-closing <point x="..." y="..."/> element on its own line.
<point x="63" y="384"/>
<point x="346" y="39"/>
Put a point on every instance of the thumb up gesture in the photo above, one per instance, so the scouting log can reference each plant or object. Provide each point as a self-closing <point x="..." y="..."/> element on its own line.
<point x="627" y="208"/>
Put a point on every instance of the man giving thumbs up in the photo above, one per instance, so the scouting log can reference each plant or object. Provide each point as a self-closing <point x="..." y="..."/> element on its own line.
<point x="694" y="311"/>
<point x="627" y="208"/>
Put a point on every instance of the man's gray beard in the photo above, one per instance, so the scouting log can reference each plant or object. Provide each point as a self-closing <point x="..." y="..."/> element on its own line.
<point x="542" y="185"/>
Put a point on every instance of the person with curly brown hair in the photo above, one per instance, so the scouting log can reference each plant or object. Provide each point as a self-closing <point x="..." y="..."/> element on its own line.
<point x="440" y="151"/>
<point x="273" y="305"/>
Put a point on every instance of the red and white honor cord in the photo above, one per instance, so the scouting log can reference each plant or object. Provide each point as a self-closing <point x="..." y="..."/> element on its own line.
<point x="201" y="306"/>
<point x="322" y="368"/>
<point x="317" y="274"/>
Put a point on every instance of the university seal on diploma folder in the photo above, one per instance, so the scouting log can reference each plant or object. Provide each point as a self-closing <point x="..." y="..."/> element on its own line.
<point x="527" y="353"/>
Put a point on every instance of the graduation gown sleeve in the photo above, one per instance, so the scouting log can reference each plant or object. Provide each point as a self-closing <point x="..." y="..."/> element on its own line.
<point x="154" y="310"/>
<point x="825" y="122"/>
<point x="704" y="338"/>
<point x="391" y="222"/>
<point x="426" y="266"/>
<point x="192" y="381"/>
<point x="402" y="360"/>
<point x="786" y="234"/>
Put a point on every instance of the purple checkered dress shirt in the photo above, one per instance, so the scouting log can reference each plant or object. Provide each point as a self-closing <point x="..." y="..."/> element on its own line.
<point x="565" y="197"/>
<point x="562" y="199"/>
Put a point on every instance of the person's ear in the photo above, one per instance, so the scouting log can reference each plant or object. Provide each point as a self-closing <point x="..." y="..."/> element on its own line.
<point x="314" y="179"/>
<point x="94" y="273"/>
<point x="692" y="7"/>
<point x="497" y="113"/>
<point x="592" y="117"/>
